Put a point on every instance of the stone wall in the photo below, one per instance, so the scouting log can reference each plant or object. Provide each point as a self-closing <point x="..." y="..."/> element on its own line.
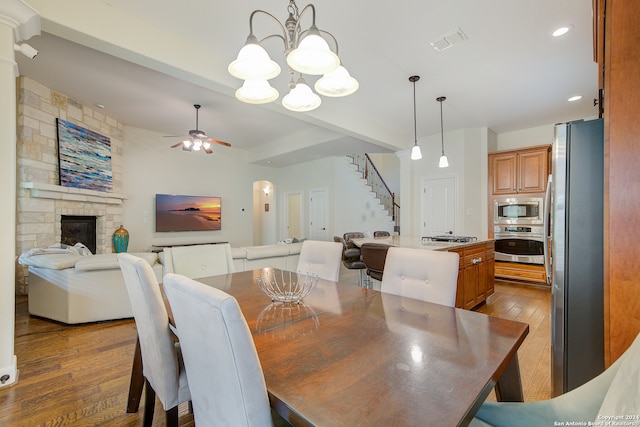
<point x="40" y="200"/>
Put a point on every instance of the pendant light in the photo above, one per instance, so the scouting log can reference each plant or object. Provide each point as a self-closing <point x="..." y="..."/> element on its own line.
<point x="444" y="163"/>
<point x="416" y="154"/>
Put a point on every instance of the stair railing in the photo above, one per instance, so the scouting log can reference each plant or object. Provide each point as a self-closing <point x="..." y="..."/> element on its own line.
<point x="374" y="179"/>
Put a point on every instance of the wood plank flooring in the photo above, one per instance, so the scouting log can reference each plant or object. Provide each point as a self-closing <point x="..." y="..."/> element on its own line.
<point x="79" y="375"/>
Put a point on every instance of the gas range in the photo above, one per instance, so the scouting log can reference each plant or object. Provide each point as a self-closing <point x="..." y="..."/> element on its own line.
<point x="449" y="238"/>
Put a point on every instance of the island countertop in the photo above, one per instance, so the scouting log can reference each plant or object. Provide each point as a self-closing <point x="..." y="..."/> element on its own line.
<point x="416" y="242"/>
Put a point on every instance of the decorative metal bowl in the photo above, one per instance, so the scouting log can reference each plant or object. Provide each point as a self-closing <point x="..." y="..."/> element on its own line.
<point x="286" y="286"/>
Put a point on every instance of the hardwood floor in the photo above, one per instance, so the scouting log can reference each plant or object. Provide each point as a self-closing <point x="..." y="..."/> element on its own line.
<point x="529" y="304"/>
<point x="79" y="375"/>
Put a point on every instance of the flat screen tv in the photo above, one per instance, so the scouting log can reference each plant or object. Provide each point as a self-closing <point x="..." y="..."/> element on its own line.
<point x="187" y="213"/>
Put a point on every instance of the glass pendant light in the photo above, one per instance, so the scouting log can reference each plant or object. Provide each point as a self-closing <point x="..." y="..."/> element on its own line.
<point x="416" y="154"/>
<point x="443" y="163"/>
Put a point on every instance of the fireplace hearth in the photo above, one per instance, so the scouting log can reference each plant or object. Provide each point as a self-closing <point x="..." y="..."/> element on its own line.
<point x="78" y="229"/>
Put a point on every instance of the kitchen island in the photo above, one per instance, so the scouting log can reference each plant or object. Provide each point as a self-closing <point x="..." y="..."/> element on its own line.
<point x="475" y="270"/>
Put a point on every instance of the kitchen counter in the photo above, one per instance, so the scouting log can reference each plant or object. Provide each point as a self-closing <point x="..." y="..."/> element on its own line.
<point x="476" y="267"/>
<point x="416" y="242"/>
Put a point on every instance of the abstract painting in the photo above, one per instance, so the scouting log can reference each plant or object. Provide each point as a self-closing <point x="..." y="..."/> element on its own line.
<point x="84" y="158"/>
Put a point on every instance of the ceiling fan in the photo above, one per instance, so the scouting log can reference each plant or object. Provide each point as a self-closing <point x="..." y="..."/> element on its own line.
<point x="198" y="140"/>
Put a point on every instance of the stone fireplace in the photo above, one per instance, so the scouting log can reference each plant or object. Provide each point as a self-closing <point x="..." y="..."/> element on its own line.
<point x="41" y="202"/>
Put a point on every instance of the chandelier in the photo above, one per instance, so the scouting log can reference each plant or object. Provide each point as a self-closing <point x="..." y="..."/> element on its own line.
<point x="306" y="53"/>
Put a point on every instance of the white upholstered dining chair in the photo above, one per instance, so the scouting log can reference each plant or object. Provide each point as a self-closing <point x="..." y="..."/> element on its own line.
<point x="161" y="359"/>
<point x="426" y="275"/>
<point x="614" y="393"/>
<point x="225" y="377"/>
<point x="321" y="258"/>
<point x="198" y="261"/>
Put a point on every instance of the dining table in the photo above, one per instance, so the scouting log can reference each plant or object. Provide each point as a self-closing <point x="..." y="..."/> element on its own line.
<point x="349" y="356"/>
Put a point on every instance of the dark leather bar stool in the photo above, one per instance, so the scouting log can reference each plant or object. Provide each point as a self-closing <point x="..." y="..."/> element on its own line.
<point x="381" y="234"/>
<point x="374" y="256"/>
<point x="351" y="257"/>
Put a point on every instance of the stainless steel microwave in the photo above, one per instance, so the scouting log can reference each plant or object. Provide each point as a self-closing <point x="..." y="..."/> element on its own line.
<point x="518" y="210"/>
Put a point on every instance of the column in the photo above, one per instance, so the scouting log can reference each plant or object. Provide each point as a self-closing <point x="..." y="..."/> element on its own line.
<point x="17" y="22"/>
<point x="406" y="188"/>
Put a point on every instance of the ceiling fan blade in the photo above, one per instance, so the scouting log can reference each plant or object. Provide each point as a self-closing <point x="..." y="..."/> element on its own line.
<point x="176" y="145"/>
<point x="219" y="142"/>
<point x="207" y="150"/>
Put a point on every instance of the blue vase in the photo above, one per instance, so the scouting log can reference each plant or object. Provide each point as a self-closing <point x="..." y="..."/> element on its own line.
<point x="121" y="239"/>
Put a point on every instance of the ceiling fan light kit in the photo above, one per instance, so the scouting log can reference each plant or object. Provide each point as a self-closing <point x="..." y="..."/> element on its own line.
<point x="306" y="52"/>
<point x="197" y="140"/>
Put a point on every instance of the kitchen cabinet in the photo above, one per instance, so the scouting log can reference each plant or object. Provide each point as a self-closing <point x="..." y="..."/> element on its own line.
<point x="475" y="274"/>
<point x="520" y="272"/>
<point x="519" y="171"/>
<point x="617" y="41"/>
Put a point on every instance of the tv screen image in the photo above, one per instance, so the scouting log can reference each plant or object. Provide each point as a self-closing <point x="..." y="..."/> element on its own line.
<point x="187" y="213"/>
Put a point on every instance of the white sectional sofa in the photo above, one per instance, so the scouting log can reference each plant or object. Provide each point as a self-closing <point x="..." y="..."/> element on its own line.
<point x="284" y="256"/>
<point x="72" y="289"/>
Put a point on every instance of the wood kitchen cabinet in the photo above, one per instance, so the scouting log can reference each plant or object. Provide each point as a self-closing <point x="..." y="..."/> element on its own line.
<point x="475" y="274"/>
<point x="519" y="171"/>
<point x="617" y="39"/>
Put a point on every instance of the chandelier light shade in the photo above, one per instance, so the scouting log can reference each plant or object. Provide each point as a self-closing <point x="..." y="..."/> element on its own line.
<point x="257" y="92"/>
<point x="313" y="55"/>
<point x="253" y="62"/>
<point x="444" y="162"/>
<point x="307" y="52"/>
<point x="336" y="83"/>
<point x="301" y="98"/>
<point x="416" y="154"/>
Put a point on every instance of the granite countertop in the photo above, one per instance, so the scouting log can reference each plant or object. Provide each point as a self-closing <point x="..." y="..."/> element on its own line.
<point x="416" y="242"/>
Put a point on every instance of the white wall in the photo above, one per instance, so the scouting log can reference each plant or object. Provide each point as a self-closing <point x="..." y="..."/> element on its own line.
<point x="356" y="209"/>
<point x="304" y="177"/>
<point x="523" y="138"/>
<point x="151" y="167"/>
<point x="466" y="151"/>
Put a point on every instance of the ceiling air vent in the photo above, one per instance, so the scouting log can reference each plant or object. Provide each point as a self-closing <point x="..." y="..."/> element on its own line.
<point x="449" y="40"/>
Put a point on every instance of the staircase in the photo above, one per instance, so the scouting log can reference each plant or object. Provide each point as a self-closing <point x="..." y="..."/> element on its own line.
<point x="365" y="170"/>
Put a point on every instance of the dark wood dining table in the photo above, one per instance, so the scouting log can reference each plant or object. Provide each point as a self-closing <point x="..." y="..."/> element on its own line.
<point x="350" y="356"/>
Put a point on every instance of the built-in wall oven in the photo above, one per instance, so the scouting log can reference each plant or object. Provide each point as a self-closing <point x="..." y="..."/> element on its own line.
<point x="518" y="210"/>
<point x="519" y="243"/>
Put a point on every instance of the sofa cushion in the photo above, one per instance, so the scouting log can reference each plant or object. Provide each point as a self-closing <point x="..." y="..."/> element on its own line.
<point x="268" y="251"/>
<point x="109" y="261"/>
<point x="238" y="253"/>
<point x="294" y="248"/>
<point x="52" y="261"/>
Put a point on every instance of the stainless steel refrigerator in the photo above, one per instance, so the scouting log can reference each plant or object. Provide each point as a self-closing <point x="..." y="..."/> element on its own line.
<point x="575" y="257"/>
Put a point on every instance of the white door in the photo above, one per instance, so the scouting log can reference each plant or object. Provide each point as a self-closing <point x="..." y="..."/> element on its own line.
<point x="293" y="226"/>
<point x="438" y="206"/>
<point x="318" y="215"/>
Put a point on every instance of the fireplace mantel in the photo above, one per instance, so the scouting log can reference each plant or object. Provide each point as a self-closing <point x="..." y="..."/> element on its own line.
<point x="58" y="192"/>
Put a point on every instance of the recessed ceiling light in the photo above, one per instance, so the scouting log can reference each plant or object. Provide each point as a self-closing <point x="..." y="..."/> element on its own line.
<point x="575" y="98"/>
<point x="562" y="31"/>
